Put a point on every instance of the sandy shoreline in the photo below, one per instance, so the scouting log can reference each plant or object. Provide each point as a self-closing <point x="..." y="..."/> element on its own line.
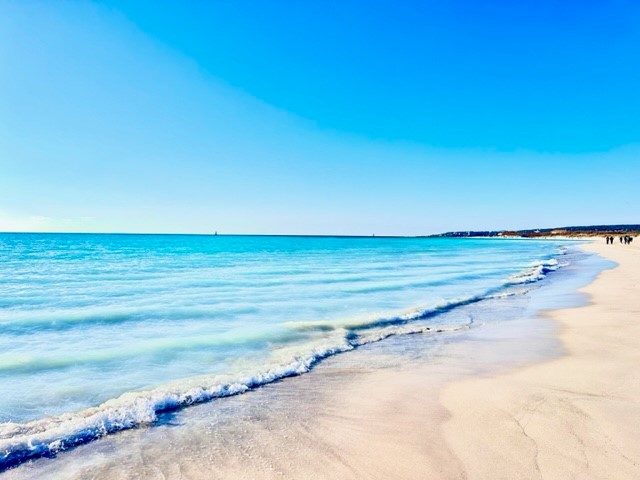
<point x="383" y="416"/>
<point x="573" y="417"/>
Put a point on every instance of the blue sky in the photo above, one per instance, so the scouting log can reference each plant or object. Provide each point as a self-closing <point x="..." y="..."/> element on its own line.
<point x="318" y="117"/>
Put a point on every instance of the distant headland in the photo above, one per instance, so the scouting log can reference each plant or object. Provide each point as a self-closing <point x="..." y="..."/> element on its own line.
<point x="585" y="231"/>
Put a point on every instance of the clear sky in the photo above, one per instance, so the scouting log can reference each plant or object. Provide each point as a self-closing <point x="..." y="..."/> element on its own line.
<point x="327" y="117"/>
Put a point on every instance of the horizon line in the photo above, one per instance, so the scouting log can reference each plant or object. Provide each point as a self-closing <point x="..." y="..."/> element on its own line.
<point x="215" y="233"/>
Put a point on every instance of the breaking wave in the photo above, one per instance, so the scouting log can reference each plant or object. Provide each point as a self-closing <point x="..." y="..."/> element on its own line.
<point x="48" y="436"/>
<point x="536" y="272"/>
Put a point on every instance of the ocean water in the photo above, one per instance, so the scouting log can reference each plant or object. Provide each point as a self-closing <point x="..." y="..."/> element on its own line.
<point x="100" y="333"/>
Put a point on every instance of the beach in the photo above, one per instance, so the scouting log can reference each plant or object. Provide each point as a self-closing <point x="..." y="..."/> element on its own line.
<point x="311" y="240"/>
<point x="541" y="396"/>
<point x="573" y="417"/>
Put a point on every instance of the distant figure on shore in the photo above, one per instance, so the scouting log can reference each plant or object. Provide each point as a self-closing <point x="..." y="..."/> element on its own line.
<point x="624" y="239"/>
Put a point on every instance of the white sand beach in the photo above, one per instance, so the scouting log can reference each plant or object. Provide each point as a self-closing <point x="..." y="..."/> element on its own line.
<point x="573" y="417"/>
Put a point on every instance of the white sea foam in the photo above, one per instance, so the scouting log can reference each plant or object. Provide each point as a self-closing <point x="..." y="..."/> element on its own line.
<point x="19" y="442"/>
<point x="537" y="271"/>
<point x="48" y="436"/>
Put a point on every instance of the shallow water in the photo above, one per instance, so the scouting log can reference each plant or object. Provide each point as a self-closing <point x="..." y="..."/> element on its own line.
<point x="147" y="323"/>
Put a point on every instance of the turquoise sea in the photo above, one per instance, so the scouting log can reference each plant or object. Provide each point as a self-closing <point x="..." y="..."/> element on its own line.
<point x="100" y="333"/>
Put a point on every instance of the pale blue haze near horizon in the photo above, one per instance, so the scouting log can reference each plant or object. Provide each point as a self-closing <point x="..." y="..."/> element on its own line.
<point x="318" y="117"/>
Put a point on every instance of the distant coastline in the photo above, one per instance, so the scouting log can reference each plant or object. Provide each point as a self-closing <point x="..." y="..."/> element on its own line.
<point x="573" y="232"/>
<point x="556" y="232"/>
